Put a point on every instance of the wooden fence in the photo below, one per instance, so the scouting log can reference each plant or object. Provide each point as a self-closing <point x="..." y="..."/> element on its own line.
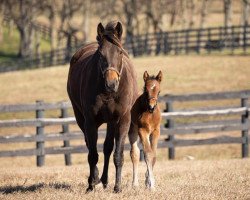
<point x="240" y="122"/>
<point x="217" y="39"/>
<point x="187" y="41"/>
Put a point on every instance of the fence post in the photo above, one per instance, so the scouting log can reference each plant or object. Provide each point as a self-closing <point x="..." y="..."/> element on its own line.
<point x="209" y="39"/>
<point x="40" y="132"/>
<point x="176" y="43"/>
<point x="170" y="124"/>
<point x="141" y="155"/>
<point x="187" y="42"/>
<point x="65" y="130"/>
<point x="244" y="133"/>
<point x="220" y="38"/>
<point x="232" y="40"/>
<point x="245" y="38"/>
<point x="198" y="40"/>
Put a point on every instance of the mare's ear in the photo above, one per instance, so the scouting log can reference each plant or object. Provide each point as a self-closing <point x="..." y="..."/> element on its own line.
<point x="159" y="76"/>
<point x="145" y="76"/>
<point x="119" y="30"/>
<point x="100" y="31"/>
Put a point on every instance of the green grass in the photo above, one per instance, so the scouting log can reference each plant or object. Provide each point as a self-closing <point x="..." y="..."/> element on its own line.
<point x="9" y="46"/>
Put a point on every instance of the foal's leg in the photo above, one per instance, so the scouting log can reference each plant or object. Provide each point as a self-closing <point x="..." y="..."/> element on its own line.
<point x="135" y="152"/>
<point x="108" y="148"/>
<point x="148" y="154"/>
<point x="154" y="141"/>
<point x="91" y="140"/>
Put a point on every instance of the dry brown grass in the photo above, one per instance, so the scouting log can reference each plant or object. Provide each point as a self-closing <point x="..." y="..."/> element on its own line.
<point x="197" y="179"/>
<point x="182" y="74"/>
<point x="225" y="179"/>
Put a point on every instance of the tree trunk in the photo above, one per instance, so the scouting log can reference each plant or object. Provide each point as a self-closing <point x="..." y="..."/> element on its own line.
<point x="245" y="13"/>
<point x="203" y="13"/>
<point x="25" y="48"/>
<point x="86" y="20"/>
<point x="1" y="21"/>
<point x="228" y="13"/>
<point x="191" y="14"/>
<point x="53" y="33"/>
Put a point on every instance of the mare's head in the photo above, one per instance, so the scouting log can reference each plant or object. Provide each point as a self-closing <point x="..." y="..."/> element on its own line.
<point x="152" y="89"/>
<point x="110" y="54"/>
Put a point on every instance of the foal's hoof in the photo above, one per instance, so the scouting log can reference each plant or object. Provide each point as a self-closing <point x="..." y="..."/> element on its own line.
<point x="117" y="189"/>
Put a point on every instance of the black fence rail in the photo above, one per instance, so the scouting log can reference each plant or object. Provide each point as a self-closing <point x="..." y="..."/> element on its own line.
<point x="187" y="41"/>
<point x="227" y="40"/>
<point x="169" y="134"/>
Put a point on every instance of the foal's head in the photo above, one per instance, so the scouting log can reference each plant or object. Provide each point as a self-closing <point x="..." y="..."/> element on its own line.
<point x="152" y="89"/>
<point x="110" y="53"/>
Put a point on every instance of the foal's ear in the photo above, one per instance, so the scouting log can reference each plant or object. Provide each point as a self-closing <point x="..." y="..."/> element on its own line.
<point x="100" y="31"/>
<point x="159" y="76"/>
<point x="145" y="76"/>
<point x="119" y="30"/>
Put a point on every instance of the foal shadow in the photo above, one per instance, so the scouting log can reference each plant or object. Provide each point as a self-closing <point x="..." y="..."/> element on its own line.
<point x="33" y="188"/>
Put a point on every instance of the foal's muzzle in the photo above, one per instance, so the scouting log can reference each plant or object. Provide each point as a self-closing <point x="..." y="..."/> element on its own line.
<point x="152" y="103"/>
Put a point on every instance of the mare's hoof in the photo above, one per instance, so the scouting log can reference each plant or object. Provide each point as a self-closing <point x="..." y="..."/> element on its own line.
<point x="89" y="189"/>
<point x="105" y="185"/>
<point x="117" y="189"/>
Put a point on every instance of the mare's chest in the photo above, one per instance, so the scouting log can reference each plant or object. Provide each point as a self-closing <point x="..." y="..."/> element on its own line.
<point x="107" y="108"/>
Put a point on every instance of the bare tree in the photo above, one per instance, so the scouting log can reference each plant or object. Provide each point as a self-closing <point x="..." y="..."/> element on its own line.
<point x="23" y="13"/>
<point x="246" y="11"/>
<point x="204" y="12"/>
<point x="228" y="13"/>
<point x="1" y="19"/>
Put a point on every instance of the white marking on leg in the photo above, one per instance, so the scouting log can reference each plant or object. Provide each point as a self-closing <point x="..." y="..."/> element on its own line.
<point x="135" y="159"/>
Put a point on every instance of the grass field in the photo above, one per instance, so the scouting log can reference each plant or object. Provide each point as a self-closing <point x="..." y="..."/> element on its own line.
<point x="215" y="173"/>
<point x="223" y="179"/>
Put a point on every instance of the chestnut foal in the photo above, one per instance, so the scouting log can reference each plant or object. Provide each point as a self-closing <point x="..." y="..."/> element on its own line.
<point x="145" y="122"/>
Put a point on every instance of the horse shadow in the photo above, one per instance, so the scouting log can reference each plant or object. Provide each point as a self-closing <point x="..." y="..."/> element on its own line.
<point x="33" y="188"/>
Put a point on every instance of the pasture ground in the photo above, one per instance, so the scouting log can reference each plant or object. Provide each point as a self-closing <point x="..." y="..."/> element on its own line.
<point x="215" y="173"/>
<point x="214" y="179"/>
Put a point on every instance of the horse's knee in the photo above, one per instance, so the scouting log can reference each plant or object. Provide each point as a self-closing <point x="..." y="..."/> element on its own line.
<point x="118" y="159"/>
<point x="108" y="147"/>
<point x="135" y="153"/>
<point x="93" y="158"/>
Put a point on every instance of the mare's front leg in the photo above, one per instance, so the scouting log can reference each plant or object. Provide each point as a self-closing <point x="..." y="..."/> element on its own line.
<point x="148" y="155"/>
<point x="123" y="128"/>
<point x="91" y="140"/>
<point x="107" y="150"/>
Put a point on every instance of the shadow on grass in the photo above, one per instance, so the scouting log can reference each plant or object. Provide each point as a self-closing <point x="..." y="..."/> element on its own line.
<point x="33" y="188"/>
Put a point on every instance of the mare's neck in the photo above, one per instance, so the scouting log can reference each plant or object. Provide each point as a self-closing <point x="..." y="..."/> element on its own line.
<point x="143" y="102"/>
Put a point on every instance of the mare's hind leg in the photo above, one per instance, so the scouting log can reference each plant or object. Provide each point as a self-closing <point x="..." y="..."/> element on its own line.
<point x="148" y="155"/>
<point x="134" y="153"/>
<point x="107" y="150"/>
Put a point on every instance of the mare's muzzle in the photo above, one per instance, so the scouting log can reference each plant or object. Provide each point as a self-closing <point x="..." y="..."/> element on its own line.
<point x="112" y="79"/>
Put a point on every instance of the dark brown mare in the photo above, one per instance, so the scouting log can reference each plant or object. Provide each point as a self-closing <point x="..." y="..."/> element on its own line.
<point x="145" y="123"/>
<point x="102" y="88"/>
